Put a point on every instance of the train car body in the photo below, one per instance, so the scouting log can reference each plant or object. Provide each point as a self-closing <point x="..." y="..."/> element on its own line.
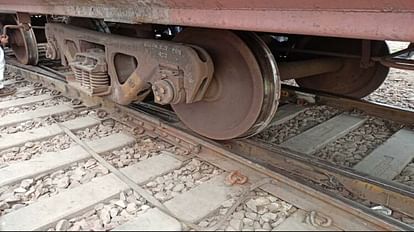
<point x="218" y="63"/>
<point x="368" y="19"/>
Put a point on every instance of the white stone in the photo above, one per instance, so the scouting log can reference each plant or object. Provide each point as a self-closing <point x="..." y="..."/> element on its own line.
<point x="151" y="184"/>
<point x="122" y="196"/>
<point x="18" y="206"/>
<point x="262" y="201"/>
<point x="99" y="206"/>
<point x="178" y="187"/>
<point x="278" y="222"/>
<point x="4" y="205"/>
<point x="251" y="204"/>
<point x="238" y="215"/>
<point x="20" y="190"/>
<point x="266" y="226"/>
<point x="262" y="210"/>
<point x="267" y="217"/>
<point x="114" y="212"/>
<point x="62" y="182"/>
<point x="131" y="208"/>
<point x="256" y="225"/>
<point x="274" y="207"/>
<point x="251" y="215"/>
<point x="169" y="186"/>
<point x="197" y="176"/>
<point x="236" y="224"/>
<point x="272" y="198"/>
<point x="62" y="225"/>
<point x="229" y="203"/>
<point x="159" y="180"/>
<point x="105" y="216"/>
<point x="121" y="204"/>
<point x="247" y="222"/>
<point x="203" y="224"/>
<point x="161" y="196"/>
<point x="26" y="183"/>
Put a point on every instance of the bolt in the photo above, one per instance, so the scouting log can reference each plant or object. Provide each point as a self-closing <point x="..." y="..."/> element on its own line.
<point x="139" y="130"/>
<point x="196" y="148"/>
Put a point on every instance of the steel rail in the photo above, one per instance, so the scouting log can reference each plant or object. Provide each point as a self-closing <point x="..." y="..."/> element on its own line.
<point x="286" y="168"/>
<point x="292" y="93"/>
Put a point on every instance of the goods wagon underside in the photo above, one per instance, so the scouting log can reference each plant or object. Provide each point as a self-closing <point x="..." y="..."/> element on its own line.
<point x="367" y="19"/>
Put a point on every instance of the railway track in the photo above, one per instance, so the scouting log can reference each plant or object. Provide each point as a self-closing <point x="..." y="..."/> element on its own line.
<point x="69" y="161"/>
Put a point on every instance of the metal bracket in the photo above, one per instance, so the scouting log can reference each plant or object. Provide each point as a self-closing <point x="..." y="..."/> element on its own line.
<point x="366" y="54"/>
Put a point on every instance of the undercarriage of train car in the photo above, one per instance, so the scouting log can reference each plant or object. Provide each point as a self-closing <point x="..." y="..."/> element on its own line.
<point x="222" y="84"/>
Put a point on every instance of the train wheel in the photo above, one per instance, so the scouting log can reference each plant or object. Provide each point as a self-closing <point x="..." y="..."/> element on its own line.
<point x="24" y="45"/>
<point x="351" y="80"/>
<point x="244" y="93"/>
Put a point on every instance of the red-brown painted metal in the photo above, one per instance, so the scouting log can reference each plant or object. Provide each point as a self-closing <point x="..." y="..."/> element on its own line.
<point x="367" y="19"/>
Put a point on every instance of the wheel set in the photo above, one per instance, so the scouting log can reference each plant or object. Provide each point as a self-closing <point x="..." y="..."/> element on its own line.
<point x="231" y="91"/>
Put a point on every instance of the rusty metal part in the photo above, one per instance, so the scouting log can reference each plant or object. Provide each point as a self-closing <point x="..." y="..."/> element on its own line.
<point x="23" y="18"/>
<point x="76" y="102"/>
<point x="134" y="63"/>
<point x="164" y="92"/>
<point x="369" y="19"/>
<point x="301" y="69"/>
<point x="18" y="77"/>
<point x="101" y="113"/>
<point x="317" y="219"/>
<point x="382" y="111"/>
<point x="244" y="92"/>
<point x="7" y="90"/>
<point x="91" y="72"/>
<point x="366" y="61"/>
<point x="351" y="80"/>
<point x="22" y="40"/>
<point x="235" y="177"/>
<point x="395" y="60"/>
<point x="393" y="195"/>
<point x="398" y="63"/>
<point x="344" y="213"/>
<point x="271" y="82"/>
<point x="37" y="85"/>
<point x="52" y="51"/>
<point x="55" y="93"/>
<point x="11" y="27"/>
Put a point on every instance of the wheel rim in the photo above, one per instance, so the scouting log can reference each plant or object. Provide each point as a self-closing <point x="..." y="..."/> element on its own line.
<point x="351" y="80"/>
<point x="235" y="99"/>
<point x="24" y="46"/>
<point x="271" y="82"/>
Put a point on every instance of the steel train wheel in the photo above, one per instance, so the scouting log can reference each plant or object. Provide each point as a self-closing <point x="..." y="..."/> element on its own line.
<point x="244" y="93"/>
<point x="351" y="80"/>
<point x="24" y="45"/>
